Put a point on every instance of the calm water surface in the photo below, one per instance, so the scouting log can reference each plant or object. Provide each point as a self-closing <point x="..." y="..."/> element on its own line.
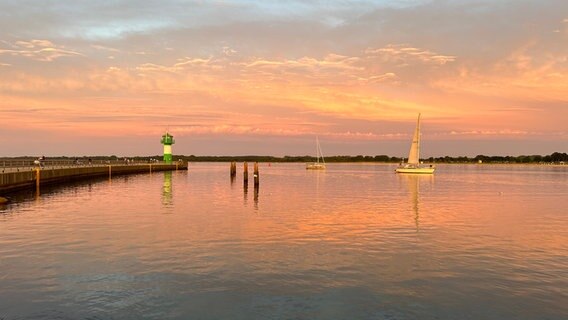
<point x="354" y="242"/>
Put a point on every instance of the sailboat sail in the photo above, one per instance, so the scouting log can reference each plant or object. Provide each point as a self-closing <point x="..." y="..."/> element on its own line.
<point x="414" y="154"/>
<point x="319" y="154"/>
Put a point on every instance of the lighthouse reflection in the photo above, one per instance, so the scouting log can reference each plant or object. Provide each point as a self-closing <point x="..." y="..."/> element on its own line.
<point x="167" y="189"/>
<point x="413" y="182"/>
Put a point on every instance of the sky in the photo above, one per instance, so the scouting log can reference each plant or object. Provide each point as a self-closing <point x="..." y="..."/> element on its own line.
<point x="268" y="77"/>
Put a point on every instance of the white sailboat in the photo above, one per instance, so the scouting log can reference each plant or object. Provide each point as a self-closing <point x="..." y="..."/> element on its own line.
<point x="413" y="164"/>
<point x="317" y="165"/>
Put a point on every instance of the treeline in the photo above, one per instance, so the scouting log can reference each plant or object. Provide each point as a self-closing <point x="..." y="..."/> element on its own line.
<point x="359" y="158"/>
<point x="555" y="157"/>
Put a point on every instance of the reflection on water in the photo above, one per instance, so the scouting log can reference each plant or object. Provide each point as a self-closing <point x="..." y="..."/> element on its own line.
<point x="167" y="189"/>
<point x="256" y="190"/>
<point x="339" y="244"/>
<point x="413" y="182"/>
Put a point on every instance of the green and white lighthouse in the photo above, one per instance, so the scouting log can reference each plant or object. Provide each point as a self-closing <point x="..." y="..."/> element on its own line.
<point x="167" y="141"/>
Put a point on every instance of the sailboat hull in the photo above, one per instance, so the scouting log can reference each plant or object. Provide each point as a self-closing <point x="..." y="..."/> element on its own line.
<point x="315" y="166"/>
<point x="415" y="170"/>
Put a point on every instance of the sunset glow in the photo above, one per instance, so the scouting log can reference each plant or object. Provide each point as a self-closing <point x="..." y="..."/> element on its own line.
<point x="266" y="77"/>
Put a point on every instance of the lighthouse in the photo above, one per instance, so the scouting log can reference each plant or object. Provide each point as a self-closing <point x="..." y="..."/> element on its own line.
<point x="167" y="141"/>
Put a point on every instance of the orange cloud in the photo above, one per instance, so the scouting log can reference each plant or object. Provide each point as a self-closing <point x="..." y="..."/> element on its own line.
<point x="405" y="54"/>
<point x="41" y="50"/>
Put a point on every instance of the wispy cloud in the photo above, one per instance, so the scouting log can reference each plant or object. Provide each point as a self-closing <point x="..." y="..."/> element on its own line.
<point x="104" y="48"/>
<point x="504" y="132"/>
<point x="41" y="50"/>
<point x="404" y="54"/>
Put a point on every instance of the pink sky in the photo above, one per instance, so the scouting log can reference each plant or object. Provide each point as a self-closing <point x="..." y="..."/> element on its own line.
<point x="267" y="77"/>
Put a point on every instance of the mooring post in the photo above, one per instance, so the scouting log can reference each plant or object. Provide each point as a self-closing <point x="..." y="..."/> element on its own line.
<point x="256" y="175"/>
<point x="109" y="171"/>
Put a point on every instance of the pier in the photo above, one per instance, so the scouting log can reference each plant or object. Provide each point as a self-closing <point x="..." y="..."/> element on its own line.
<point x="21" y="175"/>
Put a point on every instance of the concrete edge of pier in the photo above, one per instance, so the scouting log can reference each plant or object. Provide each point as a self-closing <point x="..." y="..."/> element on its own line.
<point x="34" y="178"/>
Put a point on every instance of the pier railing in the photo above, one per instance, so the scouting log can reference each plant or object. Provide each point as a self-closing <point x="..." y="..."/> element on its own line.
<point x="26" y="165"/>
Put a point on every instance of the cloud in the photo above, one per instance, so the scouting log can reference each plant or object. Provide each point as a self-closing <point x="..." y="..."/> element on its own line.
<point x="237" y="130"/>
<point x="504" y="132"/>
<point x="104" y="48"/>
<point x="372" y="66"/>
<point x="40" y="50"/>
<point x="372" y="136"/>
<point x="34" y="44"/>
<point x="379" y="78"/>
<point x="404" y="54"/>
<point x="228" y="51"/>
<point x="524" y="73"/>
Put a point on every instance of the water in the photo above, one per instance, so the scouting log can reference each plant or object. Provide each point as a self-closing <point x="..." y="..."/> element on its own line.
<point x="354" y="242"/>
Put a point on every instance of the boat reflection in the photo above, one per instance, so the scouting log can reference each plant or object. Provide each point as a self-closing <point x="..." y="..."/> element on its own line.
<point x="413" y="182"/>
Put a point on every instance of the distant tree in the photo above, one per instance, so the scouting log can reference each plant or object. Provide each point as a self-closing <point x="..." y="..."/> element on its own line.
<point x="382" y="158"/>
<point x="558" y="157"/>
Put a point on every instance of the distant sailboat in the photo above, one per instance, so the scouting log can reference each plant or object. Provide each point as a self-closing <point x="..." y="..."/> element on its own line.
<point x="317" y="165"/>
<point x="413" y="163"/>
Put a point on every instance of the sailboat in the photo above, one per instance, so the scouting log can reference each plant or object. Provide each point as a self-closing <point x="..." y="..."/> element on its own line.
<point x="317" y="165"/>
<point x="413" y="164"/>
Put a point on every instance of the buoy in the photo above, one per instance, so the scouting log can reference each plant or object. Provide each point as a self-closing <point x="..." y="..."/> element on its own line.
<point x="3" y="200"/>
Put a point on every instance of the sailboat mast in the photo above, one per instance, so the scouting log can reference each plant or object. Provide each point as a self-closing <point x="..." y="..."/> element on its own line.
<point x="321" y="153"/>
<point x="418" y="139"/>
<point x="317" y="150"/>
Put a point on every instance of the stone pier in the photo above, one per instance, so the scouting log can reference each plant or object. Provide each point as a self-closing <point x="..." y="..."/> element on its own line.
<point x="36" y="177"/>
